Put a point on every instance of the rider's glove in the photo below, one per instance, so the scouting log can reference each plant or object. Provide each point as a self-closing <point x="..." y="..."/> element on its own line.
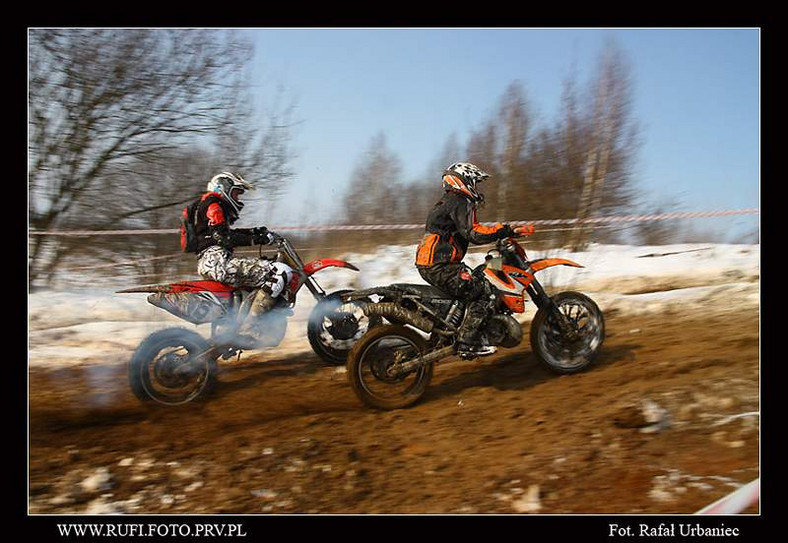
<point x="525" y="230"/>
<point x="261" y="235"/>
<point x="506" y="232"/>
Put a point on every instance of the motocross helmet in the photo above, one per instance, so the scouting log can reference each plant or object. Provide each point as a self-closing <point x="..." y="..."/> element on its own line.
<point x="463" y="177"/>
<point x="229" y="187"/>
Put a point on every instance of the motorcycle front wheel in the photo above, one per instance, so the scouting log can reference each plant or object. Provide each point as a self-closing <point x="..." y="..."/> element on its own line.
<point x="370" y="359"/>
<point x="172" y="367"/>
<point x="560" y="353"/>
<point x="334" y="328"/>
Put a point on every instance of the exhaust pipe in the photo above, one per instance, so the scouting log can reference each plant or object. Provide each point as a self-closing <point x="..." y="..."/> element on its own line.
<point x="391" y="309"/>
<point x="394" y="310"/>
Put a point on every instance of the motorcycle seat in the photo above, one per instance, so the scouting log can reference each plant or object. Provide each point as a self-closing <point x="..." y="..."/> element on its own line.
<point x="205" y="285"/>
<point x="425" y="291"/>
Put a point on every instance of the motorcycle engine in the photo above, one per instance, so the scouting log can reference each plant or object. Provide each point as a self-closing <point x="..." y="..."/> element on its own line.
<point x="504" y="330"/>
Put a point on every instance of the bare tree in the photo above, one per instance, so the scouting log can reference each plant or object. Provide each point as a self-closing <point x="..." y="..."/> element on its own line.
<point x="579" y="166"/>
<point x="500" y="148"/>
<point x="451" y="153"/>
<point x="160" y="189"/>
<point x="482" y="151"/>
<point x="515" y="117"/>
<point x="611" y="143"/>
<point x="258" y="144"/>
<point x="373" y="194"/>
<point x="102" y="99"/>
<point x="420" y="195"/>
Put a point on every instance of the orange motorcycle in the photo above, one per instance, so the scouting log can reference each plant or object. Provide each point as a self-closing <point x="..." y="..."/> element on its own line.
<point x="391" y="365"/>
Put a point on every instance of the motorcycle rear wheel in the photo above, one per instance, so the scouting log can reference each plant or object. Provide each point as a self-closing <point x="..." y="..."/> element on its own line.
<point x="553" y="348"/>
<point x="373" y="354"/>
<point x="164" y="368"/>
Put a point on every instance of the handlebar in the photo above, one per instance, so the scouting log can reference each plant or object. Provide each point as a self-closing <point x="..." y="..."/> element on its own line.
<point x="273" y="236"/>
<point x="276" y="239"/>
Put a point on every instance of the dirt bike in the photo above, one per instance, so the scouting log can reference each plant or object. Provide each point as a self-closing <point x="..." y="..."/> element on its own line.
<point x="391" y="366"/>
<point x="176" y="365"/>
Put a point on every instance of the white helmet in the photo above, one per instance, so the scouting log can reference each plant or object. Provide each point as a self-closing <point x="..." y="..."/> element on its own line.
<point x="229" y="186"/>
<point x="462" y="177"/>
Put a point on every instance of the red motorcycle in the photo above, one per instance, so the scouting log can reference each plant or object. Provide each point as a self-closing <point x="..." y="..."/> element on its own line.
<point x="391" y="365"/>
<point x="176" y="365"/>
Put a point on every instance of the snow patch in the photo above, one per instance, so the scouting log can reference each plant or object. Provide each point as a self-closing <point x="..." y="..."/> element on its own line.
<point x="100" y="325"/>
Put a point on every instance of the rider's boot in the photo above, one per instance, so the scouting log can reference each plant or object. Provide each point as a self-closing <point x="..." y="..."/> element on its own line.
<point x="261" y="303"/>
<point x="470" y="342"/>
<point x="471" y="350"/>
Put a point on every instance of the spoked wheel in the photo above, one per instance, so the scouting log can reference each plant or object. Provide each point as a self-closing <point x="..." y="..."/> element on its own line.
<point x="370" y="364"/>
<point x="335" y="327"/>
<point x="575" y="351"/>
<point x="172" y="367"/>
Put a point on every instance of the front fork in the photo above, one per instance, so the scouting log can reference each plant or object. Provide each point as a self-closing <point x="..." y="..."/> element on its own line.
<point x="316" y="290"/>
<point x="538" y="294"/>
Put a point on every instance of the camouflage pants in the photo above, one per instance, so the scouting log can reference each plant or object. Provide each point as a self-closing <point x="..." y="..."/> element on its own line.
<point x="457" y="280"/>
<point x="219" y="264"/>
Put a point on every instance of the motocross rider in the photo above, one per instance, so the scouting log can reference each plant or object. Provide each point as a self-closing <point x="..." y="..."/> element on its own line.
<point x="219" y="208"/>
<point x="451" y="226"/>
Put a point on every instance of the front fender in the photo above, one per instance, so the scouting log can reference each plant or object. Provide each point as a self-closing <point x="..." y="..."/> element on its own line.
<point x="317" y="265"/>
<point x="543" y="263"/>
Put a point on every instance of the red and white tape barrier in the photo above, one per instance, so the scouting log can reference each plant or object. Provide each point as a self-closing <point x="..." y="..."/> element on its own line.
<point x="646" y="218"/>
<point x="349" y="227"/>
<point x="735" y="502"/>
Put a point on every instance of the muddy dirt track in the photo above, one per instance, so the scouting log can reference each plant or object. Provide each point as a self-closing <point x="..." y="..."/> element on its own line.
<point x="500" y="435"/>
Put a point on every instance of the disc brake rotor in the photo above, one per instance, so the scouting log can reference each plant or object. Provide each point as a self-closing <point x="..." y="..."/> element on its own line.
<point x="558" y="338"/>
<point x="343" y="327"/>
<point x="381" y="367"/>
<point x="165" y="369"/>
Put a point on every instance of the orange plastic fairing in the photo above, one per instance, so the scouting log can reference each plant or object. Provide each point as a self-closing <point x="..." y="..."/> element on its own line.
<point x="543" y="263"/>
<point x="515" y="303"/>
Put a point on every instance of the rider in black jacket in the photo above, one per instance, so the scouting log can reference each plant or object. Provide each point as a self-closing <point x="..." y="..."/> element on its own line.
<point x="451" y="226"/>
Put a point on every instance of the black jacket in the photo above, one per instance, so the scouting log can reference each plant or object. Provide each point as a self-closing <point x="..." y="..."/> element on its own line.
<point x="451" y="226"/>
<point x="212" y="225"/>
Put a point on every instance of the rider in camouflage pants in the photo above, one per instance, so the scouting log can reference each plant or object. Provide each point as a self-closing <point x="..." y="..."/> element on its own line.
<point x="218" y="209"/>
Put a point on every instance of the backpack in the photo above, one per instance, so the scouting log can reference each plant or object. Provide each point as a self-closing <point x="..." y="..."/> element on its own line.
<point x="188" y="228"/>
<point x="189" y="237"/>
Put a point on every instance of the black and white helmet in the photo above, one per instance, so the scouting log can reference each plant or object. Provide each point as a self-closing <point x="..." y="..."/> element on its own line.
<point x="463" y="177"/>
<point x="229" y="186"/>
